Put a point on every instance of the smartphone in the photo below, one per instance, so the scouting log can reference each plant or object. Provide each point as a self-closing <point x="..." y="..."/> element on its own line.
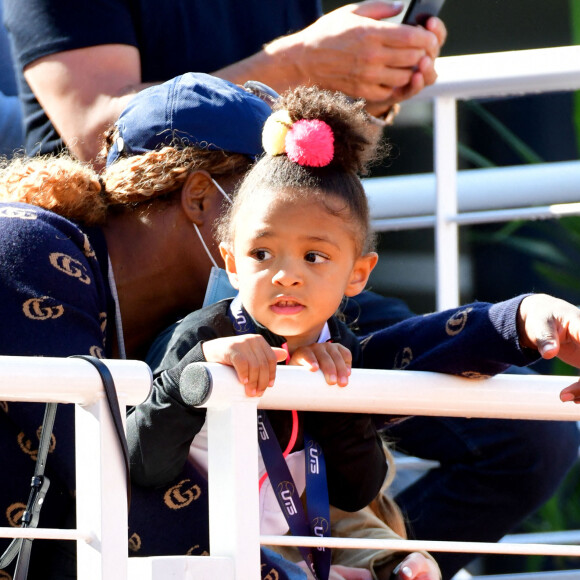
<point x="419" y="11"/>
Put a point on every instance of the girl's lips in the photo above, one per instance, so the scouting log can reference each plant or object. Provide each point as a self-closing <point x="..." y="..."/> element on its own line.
<point x="287" y="307"/>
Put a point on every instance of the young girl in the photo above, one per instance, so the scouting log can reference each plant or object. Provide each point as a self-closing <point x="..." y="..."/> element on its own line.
<point x="295" y="241"/>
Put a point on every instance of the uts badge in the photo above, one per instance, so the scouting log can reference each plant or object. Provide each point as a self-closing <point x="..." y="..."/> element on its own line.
<point x="320" y="527"/>
<point x="69" y="266"/>
<point x="26" y="445"/>
<point x="271" y="575"/>
<point x="313" y="458"/>
<point x="284" y="492"/>
<point x="87" y="248"/>
<point x="96" y="351"/>
<point x="195" y="551"/>
<point x="134" y="543"/>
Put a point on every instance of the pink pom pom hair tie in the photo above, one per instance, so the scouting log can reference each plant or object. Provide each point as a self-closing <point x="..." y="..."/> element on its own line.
<point x="308" y="142"/>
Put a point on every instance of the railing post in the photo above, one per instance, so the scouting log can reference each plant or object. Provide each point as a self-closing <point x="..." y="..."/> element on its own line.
<point x="101" y="496"/>
<point x="446" y="231"/>
<point x="234" y="524"/>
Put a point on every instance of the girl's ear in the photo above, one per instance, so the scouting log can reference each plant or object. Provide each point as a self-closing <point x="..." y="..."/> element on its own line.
<point x="198" y="195"/>
<point x="361" y="271"/>
<point x="230" y="263"/>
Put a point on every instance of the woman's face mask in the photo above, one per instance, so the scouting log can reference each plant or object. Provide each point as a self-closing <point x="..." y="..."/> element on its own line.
<point x="218" y="285"/>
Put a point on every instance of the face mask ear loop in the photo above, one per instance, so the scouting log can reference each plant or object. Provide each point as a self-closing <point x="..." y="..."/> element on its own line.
<point x="204" y="246"/>
<point x="219" y="188"/>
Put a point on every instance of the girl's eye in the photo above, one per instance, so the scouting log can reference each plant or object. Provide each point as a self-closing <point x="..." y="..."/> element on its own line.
<point x="315" y="258"/>
<point x="261" y="255"/>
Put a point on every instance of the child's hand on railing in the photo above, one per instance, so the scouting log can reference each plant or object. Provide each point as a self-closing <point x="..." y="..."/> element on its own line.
<point x="334" y="360"/>
<point x="253" y="359"/>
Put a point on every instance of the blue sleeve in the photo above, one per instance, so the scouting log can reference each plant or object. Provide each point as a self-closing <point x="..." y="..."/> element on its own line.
<point x="54" y="300"/>
<point x="473" y="340"/>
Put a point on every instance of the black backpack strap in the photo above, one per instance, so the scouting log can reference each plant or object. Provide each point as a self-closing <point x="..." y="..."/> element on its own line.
<point x="38" y="488"/>
<point x="113" y="401"/>
<point x="21" y="547"/>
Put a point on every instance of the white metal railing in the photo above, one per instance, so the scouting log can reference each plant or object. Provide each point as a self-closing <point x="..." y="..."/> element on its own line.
<point x="233" y="453"/>
<point x="101" y="531"/>
<point x="471" y="77"/>
<point x="539" y="191"/>
<point x="369" y="391"/>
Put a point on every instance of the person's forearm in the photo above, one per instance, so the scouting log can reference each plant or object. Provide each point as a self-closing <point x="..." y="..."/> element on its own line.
<point x="84" y="91"/>
<point x="276" y="65"/>
<point x="83" y="133"/>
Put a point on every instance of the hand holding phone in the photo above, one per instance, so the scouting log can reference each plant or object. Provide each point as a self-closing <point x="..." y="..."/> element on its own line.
<point x="420" y="11"/>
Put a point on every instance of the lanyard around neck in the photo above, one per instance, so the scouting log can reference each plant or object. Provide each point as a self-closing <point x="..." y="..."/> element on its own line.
<point x="317" y="519"/>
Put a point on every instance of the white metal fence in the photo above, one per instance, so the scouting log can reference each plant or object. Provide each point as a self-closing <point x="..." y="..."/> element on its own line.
<point x="233" y="453"/>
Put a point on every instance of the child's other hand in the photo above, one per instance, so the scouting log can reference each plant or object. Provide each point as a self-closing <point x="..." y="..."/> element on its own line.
<point x="334" y="360"/>
<point x="253" y="359"/>
<point x="416" y="566"/>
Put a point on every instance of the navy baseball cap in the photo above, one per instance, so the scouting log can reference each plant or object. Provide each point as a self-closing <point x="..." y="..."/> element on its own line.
<point x="192" y="109"/>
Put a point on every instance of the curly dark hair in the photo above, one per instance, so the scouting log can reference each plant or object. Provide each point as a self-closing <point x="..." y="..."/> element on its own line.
<point x="356" y="146"/>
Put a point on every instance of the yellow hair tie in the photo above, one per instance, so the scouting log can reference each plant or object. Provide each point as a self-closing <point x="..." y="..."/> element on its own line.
<point x="274" y="132"/>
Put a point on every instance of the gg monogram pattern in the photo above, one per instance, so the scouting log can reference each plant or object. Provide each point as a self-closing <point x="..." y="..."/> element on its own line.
<point x="55" y="301"/>
<point x="475" y="341"/>
<point x="54" y="284"/>
<point x="182" y="494"/>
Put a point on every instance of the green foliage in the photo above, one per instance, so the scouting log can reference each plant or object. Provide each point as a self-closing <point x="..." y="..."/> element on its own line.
<point x="524" y="151"/>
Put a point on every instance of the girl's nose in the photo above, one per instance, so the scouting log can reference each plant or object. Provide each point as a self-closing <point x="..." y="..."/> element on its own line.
<point x="287" y="276"/>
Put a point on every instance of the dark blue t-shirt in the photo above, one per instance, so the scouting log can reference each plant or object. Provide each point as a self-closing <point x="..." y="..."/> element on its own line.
<point x="173" y="37"/>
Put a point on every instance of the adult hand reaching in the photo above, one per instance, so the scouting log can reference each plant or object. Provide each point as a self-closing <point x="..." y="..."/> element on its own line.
<point x="353" y="50"/>
<point x="552" y="327"/>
